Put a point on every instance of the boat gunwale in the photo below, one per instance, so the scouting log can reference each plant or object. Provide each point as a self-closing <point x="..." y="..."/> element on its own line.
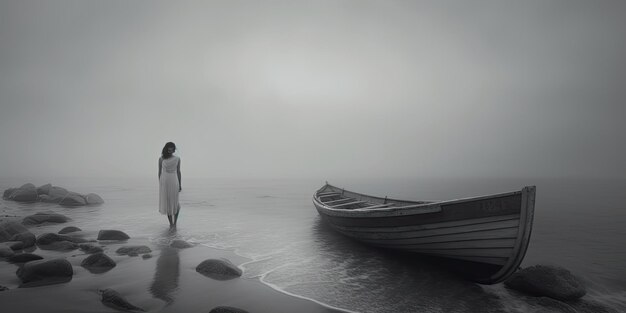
<point x="421" y="207"/>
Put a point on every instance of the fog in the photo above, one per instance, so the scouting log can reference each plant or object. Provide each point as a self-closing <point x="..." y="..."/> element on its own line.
<point x="314" y="88"/>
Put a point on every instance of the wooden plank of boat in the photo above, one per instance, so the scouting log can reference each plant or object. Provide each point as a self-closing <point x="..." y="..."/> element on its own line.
<point x="338" y="201"/>
<point x="346" y="204"/>
<point x="493" y="230"/>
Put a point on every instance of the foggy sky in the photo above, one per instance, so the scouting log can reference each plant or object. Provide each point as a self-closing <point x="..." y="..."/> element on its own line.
<point x="313" y="88"/>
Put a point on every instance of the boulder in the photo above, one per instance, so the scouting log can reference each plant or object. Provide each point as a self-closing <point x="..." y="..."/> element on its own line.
<point x="6" y="252"/>
<point x="7" y="193"/>
<point x="26" y="193"/>
<point x="44" y="217"/>
<point x="146" y="256"/>
<point x="73" y="199"/>
<point x="45" y="272"/>
<point x="60" y="246"/>
<point x="180" y="244"/>
<point x="14" y="245"/>
<point x="69" y="229"/>
<point x="549" y="281"/>
<point x="10" y="229"/>
<point x="2" y="288"/>
<point x="98" y="263"/>
<point x="93" y="199"/>
<point x="219" y="269"/>
<point x="26" y="238"/>
<point x="55" y="195"/>
<point x="108" y="234"/>
<point x="227" y="309"/>
<point x="114" y="300"/>
<point x="24" y="257"/>
<point x="49" y="238"/>
<point x="133" y="250"/>
<point x="89" y="249"/>
<point x="44" y="190"/>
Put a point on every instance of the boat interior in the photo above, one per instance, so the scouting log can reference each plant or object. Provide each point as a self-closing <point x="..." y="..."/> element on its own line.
<point x="346" y="200"/>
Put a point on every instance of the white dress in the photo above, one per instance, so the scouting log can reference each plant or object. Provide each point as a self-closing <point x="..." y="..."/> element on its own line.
<point x="169" y="186"/>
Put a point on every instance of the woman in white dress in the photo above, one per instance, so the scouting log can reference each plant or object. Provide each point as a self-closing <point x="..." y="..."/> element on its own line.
<point x="169" y="183"/>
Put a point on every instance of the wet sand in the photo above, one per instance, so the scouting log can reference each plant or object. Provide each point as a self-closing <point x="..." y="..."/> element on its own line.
<point x="166" y="282"/>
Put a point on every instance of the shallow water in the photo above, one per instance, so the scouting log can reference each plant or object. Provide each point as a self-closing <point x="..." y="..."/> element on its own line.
<point x="579" y="224"/>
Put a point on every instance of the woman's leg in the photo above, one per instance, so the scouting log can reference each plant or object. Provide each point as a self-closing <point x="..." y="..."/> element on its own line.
<point x="169" y="218"/>
<point x="176" y="218"/>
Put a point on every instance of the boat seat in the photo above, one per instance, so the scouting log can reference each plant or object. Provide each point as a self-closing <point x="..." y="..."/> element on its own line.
<point x="339" y="200"/>
<point x="345" y="204"/>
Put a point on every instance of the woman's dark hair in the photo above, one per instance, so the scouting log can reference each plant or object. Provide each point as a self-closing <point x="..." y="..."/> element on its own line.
<point x="164" y="153"/>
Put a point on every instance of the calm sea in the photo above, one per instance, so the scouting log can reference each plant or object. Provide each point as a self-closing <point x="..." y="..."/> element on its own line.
<point x="579" y="224"/>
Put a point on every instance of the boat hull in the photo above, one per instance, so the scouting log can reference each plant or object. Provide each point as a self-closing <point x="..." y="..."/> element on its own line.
<point x="490" y="230"/>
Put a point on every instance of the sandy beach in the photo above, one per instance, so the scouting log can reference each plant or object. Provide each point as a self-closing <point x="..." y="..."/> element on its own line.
<point x="165" y="282"/>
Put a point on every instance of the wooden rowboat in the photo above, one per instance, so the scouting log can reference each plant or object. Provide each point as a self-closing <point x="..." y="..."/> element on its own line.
<point x="486" y="235"/>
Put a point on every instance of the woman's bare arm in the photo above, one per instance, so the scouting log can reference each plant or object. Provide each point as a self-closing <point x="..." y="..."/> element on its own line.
<point x="180" y="186"/>
<point x="160" y="163"/>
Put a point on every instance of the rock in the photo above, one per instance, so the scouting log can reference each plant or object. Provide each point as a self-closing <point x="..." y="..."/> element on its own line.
<point x="113" y="299"/>
<point x="14" y="245"/>
<point x="55" y="195"/>
<point x="44" y="190"/>
<point x="93" y="199"/>
<point x="73" y="199"/>
<point x="6" y="252"/>
<point x="45" y="272"/>
<point x="550" y="281"/>
<point x="98" y="263"/>
<point x="2" y="288"/>
<point x="227" y="309"/>
<point x="10" y="229"/>
<point x="89" y="249"/>
<point x="26" y="193"/>
<point x="24" y="257"/>
<point x="49" y="238"/>
<point x="69" y="229"/>
<point x="60" y="246"/>
<point x="133" y="250"/>
<point x="180" y="244"/>
<point x="40" y="218"/>
<point x="219" y="269"/>
<point x="26" y="238"/>
<point x="7" y="193"/>
<point x="112" y="235"/>
<point x="146" y="256"/>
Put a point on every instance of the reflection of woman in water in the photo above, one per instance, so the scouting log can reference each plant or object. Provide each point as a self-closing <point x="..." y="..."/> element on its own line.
<point x="165" y="283"/>
<point x="169" y="183"/>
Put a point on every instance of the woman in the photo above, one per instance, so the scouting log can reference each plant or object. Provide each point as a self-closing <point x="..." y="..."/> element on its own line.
<point x="169" y="183"/>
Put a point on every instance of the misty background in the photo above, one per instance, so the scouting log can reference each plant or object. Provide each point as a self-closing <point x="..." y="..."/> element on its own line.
<point x="314" y="88"/>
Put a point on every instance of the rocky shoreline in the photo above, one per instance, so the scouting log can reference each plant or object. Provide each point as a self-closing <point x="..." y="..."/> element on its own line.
<point x="46" y="256"/>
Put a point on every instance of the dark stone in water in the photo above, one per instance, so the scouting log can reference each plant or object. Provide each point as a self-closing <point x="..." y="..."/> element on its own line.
<point x="146" y="256"/>
<point x="108" y="234"/>
<point x="25" y="193"/>
<point x="227" y="309"/>
<point x="114" y="299"/>
<point x="69" y="229"/>
<point x="44" y="190"/>
<point x="24" y="257"/>
<point x="73" y="199"/>
<point x="2" y="288"/>
<point x="45" y="272"/>
<point x="10" y="229"/>
<point x="40" y="218"/>
<point x="93" y="199"/>
<point x="49" y="238"/>
<point x="550" y="281"/>
<point x="98" y="263"/>
<point x="133" y="250"/>
<point x="6" y="252"/>
<point x="89" y="249"/>
<point x="219" y="269"/>
<point x="26" y="238"/>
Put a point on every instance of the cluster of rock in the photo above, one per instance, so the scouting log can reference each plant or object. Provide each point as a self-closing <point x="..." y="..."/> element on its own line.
<point x="50" y="194"/>
<point x="34" y="270"/>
